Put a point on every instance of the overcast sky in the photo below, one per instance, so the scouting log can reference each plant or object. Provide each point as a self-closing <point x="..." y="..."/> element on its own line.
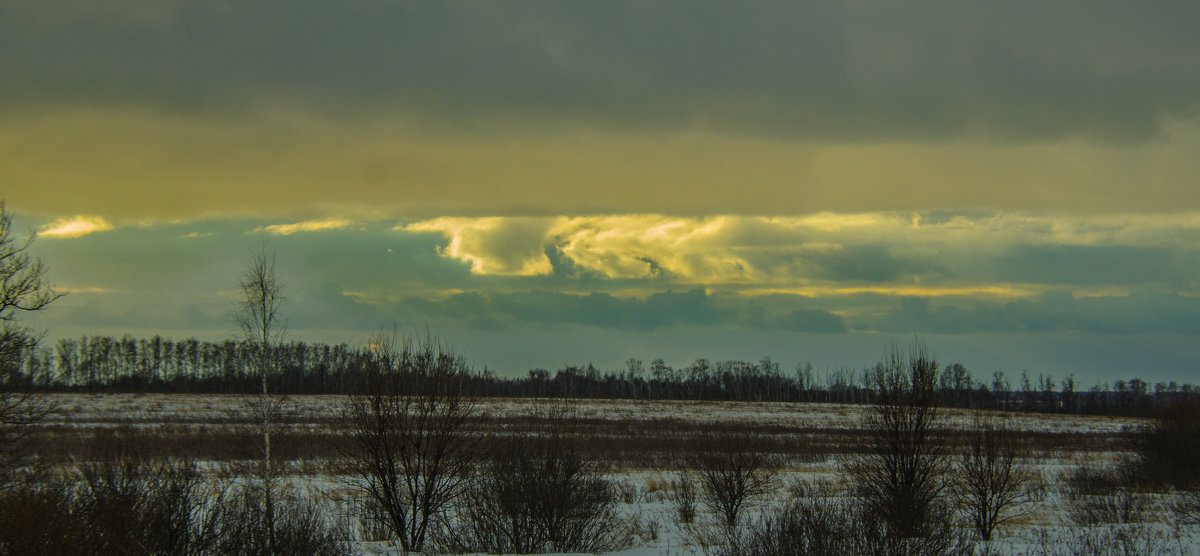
<point x="547" y="183"/>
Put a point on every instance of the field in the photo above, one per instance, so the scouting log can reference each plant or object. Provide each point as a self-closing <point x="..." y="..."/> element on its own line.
<point x="642" y="446"/>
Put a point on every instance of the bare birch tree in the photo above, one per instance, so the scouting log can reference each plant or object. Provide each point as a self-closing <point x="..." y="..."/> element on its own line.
<point x="258" y="312"/>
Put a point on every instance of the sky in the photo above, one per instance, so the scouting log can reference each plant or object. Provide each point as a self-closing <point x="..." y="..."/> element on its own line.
<point x="549" y="183"/>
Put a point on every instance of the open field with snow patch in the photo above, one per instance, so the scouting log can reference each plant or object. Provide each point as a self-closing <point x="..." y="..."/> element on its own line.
<point x="644" y="450"/>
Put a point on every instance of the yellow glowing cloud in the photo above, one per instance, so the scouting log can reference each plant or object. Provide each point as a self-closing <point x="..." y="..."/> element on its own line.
<point x="497" y="246"/>
<point x="74" y="290"/>
<point x="307" y="226"/>
<point x="643" y="246"/>
<point x="634" y="246"/>
<point x="815" y="253"/>
<point x="74" y="226"/>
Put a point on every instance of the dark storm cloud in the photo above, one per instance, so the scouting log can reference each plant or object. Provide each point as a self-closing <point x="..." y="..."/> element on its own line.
<point x="1141" y="312"/>
<point x="841" y="70"/>
<point x="657" y="310"/>
<point x="867" y="263"/>
<point x="1090" y="265"/>
<point x="810" y="320"/>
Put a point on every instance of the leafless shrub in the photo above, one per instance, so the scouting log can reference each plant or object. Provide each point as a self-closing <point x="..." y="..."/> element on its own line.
<point x="814" y="526"/>
<point x="803" y="528"/>
<point x="901" y="478"/>
<point x="1104" y="495"/>
<point x="650" y="530"/>
<point x="123" y="505"/>
<point x="540" y="495"/>
<point x="990" y="482"/>
<point x="683" y="497"/>
<point x="371" y="519"/>
<point x="1095" y="479"/>
<point x="41" y="519"/>
<point x="1186" y="507"/>
<point x="19" y="412"/>
<point x="1114" y="540"/>
<point x="626" y="491"/>
<point x="296" y="526"/>
<point x="160" y="508"/>
<point x="412" y="453"/>
<point x="1119" y="506"/>
<point x="733" y="474"/>
<point x="1168" y="450"/>
<point x="129" y="504"/>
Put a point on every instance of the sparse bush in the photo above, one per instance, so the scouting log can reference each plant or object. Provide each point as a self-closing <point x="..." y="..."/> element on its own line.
<point x="539" y="495"/>
<point x="1114" y="540"/>
<point x="1118" y="506"/>
<point x="812" y="526"/>
<point x="990" y="484"/>
<point x="123" y="503"/>
<point x="372" y="520"/>
<point x="733" y="474"/>
<point x="650" y="531"/>
<point x="1095" y="479"/>
<point x="41" y="519"/>
<point x="160" y="508"/>
<point x="902" y="477"/>
<point x="1103" y="495"/>
<point x="803" y="528"/>
<point x="120" y="507"/>
<point x="627" y="491"/>
<point x="412" y="454"/>
<point x="1168" y="450"/>
<point x="683" y="497"/>
<point x="297" y="527"/>
<point x="1186" y="507"/>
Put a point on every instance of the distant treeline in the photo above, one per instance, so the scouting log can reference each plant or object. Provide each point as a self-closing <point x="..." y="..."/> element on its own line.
<point x="157" y="364"/>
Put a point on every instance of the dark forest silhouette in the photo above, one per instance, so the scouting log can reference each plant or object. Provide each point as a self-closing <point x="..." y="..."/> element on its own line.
<point x="157" y="364"/>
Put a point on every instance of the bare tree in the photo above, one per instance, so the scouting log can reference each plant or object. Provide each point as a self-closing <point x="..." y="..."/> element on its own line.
<point x="540" y="493"/>
<point x="902" y="477"/>
<point x="412" y="452"/>
<point x="732" y="475"/>
<point x="258" y="312"/>
<point x="23" y="290"/>
<point x="991" y="483"/>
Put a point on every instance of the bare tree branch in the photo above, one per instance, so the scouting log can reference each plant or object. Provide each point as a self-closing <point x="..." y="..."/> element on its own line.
<point x="23" y="289"/>
<point x="413" y="453"/>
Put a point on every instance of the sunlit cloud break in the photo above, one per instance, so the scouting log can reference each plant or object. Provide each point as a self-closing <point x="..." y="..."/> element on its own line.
<point x="494" y="245"/>
<point x="74" y="226"/>
<point x="931" y="251"/>
<point x="306" y="226"/>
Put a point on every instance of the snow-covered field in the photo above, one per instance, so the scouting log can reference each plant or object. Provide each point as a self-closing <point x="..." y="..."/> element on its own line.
<point x="645" y="485"/>
<point x="112" y="409"/>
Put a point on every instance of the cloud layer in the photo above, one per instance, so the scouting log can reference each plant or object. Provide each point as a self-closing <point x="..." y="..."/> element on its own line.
<point x="74" y="226"/>
<point x="827" y="272"/>
<point x="844" y="70"/>
<point x="888" y="251"/>
<point x="166" y="110"/>
<point x="840" y="171"/>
